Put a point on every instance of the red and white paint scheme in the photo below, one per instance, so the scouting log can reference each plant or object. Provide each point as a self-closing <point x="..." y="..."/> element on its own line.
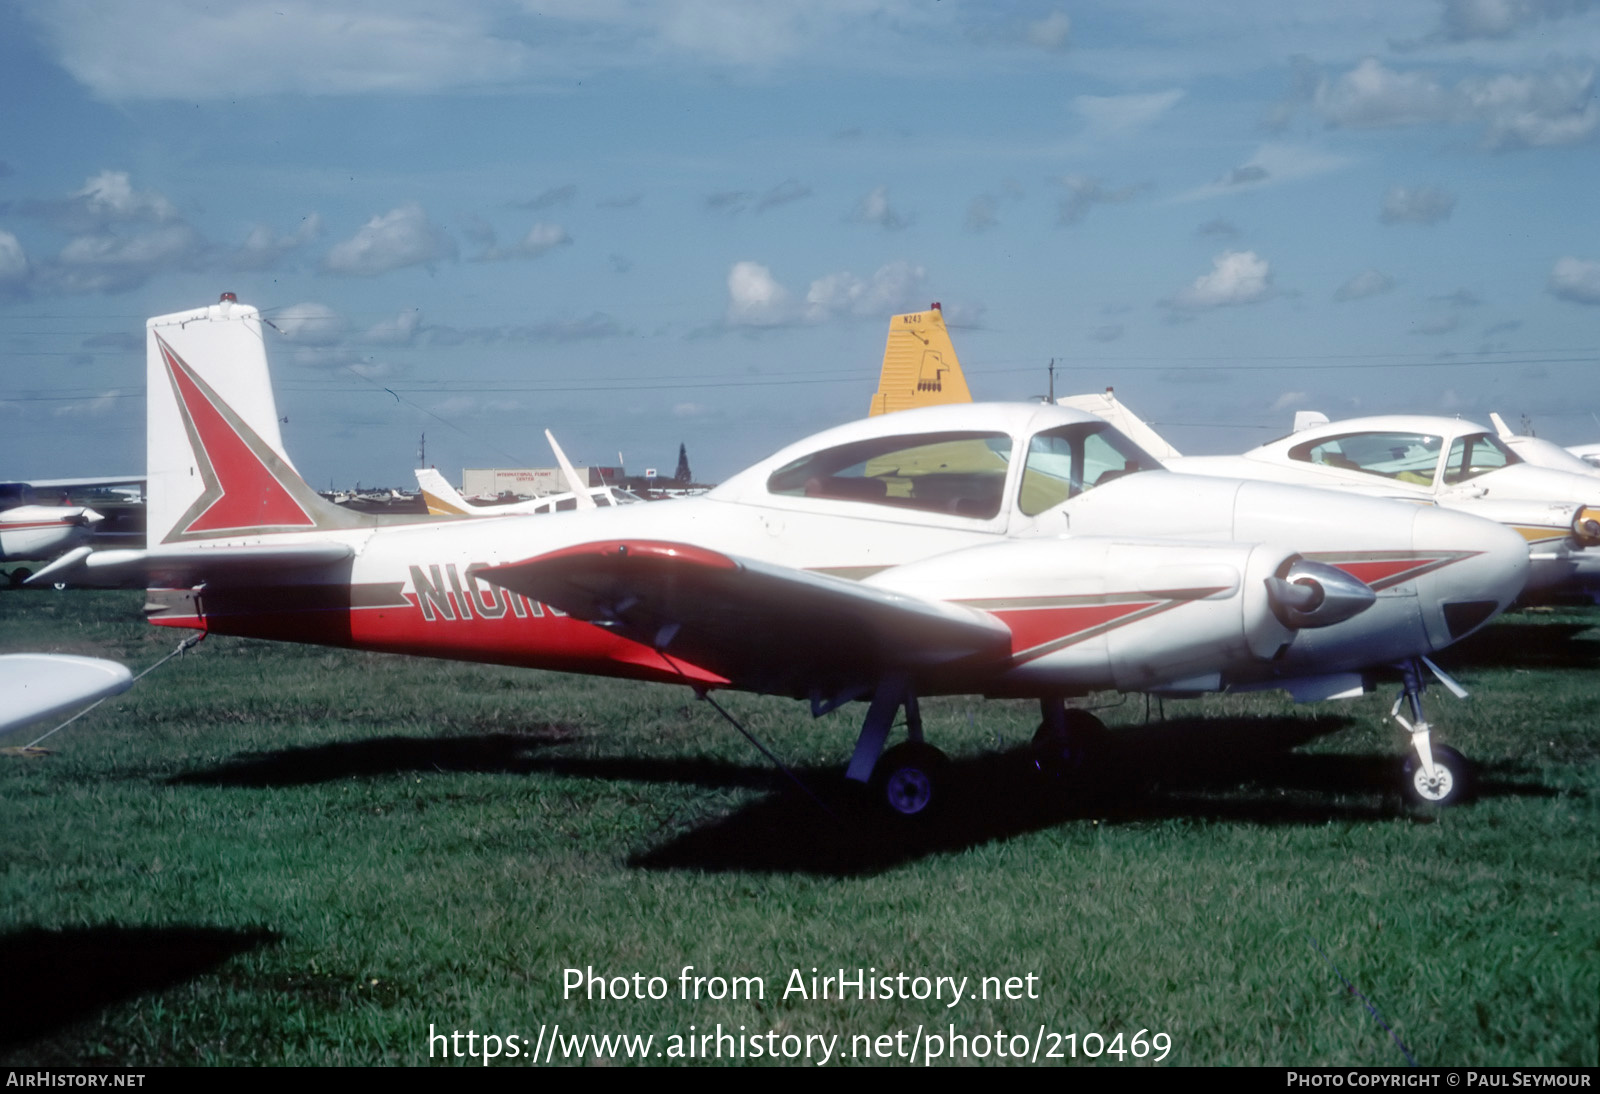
<point x="997" y="549"/>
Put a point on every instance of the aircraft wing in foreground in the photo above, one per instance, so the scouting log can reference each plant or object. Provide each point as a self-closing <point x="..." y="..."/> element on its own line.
<point x="36" y="686"/>
<point x="1017" y="550"/>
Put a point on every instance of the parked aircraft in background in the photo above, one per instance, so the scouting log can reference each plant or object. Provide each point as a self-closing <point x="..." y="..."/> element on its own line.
<point x="1542" y="492"/>
<point x="444" y="500"/>
<point x="1446" y="462"/>
<point x="1588" y="453"/>
<point x="919" y="365"/>
<point x="1542" y="453"/>
<point x="1006" y="550"/>
<point x="30" y="531"/>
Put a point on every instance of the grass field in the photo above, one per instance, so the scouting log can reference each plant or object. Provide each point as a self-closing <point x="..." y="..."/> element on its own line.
<point x="275" y="854"/>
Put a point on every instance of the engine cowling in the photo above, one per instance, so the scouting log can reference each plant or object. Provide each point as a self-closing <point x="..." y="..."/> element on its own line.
<point x="1307" y="594"/>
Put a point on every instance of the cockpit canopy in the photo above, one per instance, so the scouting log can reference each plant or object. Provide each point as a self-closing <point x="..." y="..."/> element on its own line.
<point x="1407" y="456"/>
<point x="963" y="472"/>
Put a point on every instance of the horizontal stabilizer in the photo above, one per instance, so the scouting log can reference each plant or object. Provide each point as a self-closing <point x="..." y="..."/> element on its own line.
<point x="184" y="566"/>
<point x="764" y="627"/>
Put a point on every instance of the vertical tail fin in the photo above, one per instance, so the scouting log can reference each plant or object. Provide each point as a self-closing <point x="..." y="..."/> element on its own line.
<point x="1136" y="429"/>
<point x="217" y="467"/>
<point x="442" y="499"/>
<point x="919" y="365"/>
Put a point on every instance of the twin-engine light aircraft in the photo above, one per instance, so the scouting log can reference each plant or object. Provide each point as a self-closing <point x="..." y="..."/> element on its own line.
<point x="29" y="530"/>
<point x="1006" y="550"/>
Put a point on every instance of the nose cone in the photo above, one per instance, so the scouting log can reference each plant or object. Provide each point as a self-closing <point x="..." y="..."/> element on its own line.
<point x="1474" y="569"/>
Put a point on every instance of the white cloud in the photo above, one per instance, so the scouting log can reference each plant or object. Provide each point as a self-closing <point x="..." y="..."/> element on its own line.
<point x="13" y="264"/>
<point x="105" y="200"/>
<point x="310" y="324"/>
<point x="1418" y="205"/>
<point x="875" y="209"/>
<point x="1575" y="279"/>
<point x="396" y="239"/>
<point x="1053" y="32"/>
<point x="894" y="288"/>
<point x="1236" y="277"/>
<point x="263" y="249"/>
<point x="1372" y="96"/>
<point x="1546" y="108"/>
<point x="399" y="331"/>
<point x="542" y="237"/>
<point x="1110" y="114"/>
<point x="1465" y="20"/>
<point x="755" y="299"/>
<point x="198" y="49"/>
<point x="112" y="262"/>
<point x="1364" y="284"/>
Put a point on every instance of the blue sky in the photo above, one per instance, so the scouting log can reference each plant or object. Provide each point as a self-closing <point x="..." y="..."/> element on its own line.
<point x="641" y="224"/>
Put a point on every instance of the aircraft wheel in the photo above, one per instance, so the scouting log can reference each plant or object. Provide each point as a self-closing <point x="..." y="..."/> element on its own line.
<point x="908" y="780"/>
<point x="19" y="575"/>
<point x="1451" y="781"/>
<point x="1071" y="751"/>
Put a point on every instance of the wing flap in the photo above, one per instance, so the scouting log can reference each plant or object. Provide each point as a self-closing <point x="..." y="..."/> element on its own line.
<point x="764" y="627"/>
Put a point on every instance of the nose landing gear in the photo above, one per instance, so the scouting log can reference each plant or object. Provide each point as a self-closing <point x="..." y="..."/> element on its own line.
<point x="1435" y="774"/>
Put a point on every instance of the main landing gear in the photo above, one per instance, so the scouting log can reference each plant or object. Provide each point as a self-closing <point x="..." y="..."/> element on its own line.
<point x="908" y="780"/>
<point x="1434" y="774"/>
<point x="1070" y="746"/>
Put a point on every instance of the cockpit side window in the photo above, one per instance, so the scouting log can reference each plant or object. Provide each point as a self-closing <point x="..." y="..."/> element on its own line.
<point x="1476" y="454"/>
<point x="1405" y="457"/>
<point x="960" y="473"/>
<point x="1065" y="461"/>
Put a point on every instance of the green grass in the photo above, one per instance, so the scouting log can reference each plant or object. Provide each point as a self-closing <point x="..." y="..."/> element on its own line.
<point x="277" y="854"/>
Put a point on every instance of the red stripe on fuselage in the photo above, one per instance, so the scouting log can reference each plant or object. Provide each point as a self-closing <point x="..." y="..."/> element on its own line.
<point x="1035" y="627"/>
<point x="539" y="641"/>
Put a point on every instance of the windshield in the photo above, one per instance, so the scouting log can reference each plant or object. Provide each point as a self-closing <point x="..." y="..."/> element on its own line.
<point x="1476" y="454"/>
<point x="959" y="473"/>
<point x="1065" y="461"/>
<point x="1404" y="457"/>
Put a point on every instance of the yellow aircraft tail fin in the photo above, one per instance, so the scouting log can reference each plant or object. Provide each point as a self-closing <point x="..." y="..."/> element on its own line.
<point x="919" y="365"/>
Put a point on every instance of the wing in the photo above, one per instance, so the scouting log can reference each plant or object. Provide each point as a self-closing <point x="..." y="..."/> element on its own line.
<point x="187" y="565"/>
<point x="764" y="627"/>
<point x="34" y="686"/>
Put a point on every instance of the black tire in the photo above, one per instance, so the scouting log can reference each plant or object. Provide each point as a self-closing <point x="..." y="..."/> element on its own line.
<point x="1072" y="752"/>
<point x="1450" y="785"/>
<point x="19" y="575"/>
<point x="909" y="780"/>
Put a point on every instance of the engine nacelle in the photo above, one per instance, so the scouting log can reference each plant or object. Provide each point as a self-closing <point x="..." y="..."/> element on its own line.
<point x="1089" y="612"/>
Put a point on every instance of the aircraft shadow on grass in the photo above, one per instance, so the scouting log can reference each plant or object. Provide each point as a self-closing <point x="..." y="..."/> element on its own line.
<point x="57" y="977"/>
<point x="1545" y="645"/>
<point x="1242" y="770"/>
<point x="1190" y="769"/>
